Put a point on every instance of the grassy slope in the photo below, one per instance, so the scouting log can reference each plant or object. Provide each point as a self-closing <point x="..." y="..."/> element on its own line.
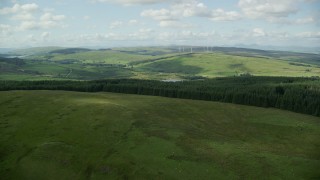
<point x="89" y="65"/>
<point x="107" y="57"/>
<point x="71" y="135"/>
<point x="215" y="65"/>
<point x="48" y="66"/>
<point x="36" y="50"/>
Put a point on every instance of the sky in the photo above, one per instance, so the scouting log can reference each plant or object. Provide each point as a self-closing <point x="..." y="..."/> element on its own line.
<point x="122" y="23"/>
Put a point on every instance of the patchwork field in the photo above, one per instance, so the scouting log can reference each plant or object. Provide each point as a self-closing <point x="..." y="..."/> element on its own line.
<point x="72" y="135"/>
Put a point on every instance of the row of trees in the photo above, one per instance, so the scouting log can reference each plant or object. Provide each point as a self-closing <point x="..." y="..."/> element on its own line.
<point x="295" y="94"/>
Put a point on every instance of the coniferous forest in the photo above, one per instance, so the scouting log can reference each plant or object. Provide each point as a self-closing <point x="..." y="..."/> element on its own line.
<point x="295" y="94"/>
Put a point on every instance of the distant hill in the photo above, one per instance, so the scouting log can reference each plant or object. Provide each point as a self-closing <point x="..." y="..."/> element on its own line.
<point x="300" y="49"/>
<point x="69" y="51"/>
<point x="160" y="63"/>
<point x="309" y="58"/>
<point x="5" y="50"/>
<point x="35" y="50"/>
<point x="47" y="51"/>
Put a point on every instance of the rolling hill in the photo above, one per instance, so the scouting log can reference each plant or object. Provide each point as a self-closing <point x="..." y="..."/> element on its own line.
<point x="73" y="135"/>
<point x="159" y="63"/>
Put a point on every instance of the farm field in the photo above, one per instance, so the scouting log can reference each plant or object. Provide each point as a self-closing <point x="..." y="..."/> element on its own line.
<point x="73" y="135"/>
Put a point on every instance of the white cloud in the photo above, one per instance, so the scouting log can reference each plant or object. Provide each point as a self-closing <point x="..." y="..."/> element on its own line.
<point x="115" y="37"/>
<point x="28" y="25"/>
<point x="132" y="2"/>
<point x="133" y="21"/>
<point x="306" y="20"/>
<point x="315" y="35"/>
<point x="28" y="17"/>
<point x="124" y="24"/>
<point x="86" y="18"/>
<point x="277" y="11"/>
<point x="20" y="12"/>
<point x="146" y="30"/>
<point x="221" y="15"/>
<point x="115" y="24"/>
<point x="187" y="36"/>
<point x="31" y="37"/>
<point x="51" y="17"/>
<point x="168" y="23"/>
<point x="23" y="16"/>
<point x="29" y="7"/>
<point x="5" y="30"/>
<point x="270" y="10"/>
<point x="197" y="9"/>
<point x="45" y="36"/>
<point x="189" y="8"/>
<point x="46" y="21"/>
<point x="258" y="32"/>
<point x="175" y="24"/>
<point x="178" y="15"/>
<point x="142" y="34"/>
<point x="17" y="8"/>
<point x="47" y="24"/>
<point x="159" y="15"/>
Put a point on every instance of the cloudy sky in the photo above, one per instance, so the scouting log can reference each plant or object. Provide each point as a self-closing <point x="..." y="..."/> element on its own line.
<point x="111" y="23"/>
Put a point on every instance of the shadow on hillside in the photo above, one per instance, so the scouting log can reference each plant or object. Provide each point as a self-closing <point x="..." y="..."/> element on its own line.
<point x="172" y="66"/>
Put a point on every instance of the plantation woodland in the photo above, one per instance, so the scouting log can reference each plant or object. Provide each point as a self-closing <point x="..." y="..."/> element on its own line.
<point x="288" y="93"/>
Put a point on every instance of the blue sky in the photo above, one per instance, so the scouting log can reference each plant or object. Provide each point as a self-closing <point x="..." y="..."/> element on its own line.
<point x="110" y="23"/>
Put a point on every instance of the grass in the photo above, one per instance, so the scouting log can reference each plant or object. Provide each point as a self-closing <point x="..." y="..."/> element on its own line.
<point x="158" y="63"/>
<point x="220" y="65"/>
<point x="54" y="71"/>
<point x="104" y="57"/>
<point x="72" y="135"/>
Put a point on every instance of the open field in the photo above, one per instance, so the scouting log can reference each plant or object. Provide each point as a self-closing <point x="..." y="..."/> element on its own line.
<point x="72" y="135"/>
<point x="159" y="63"/>
<point x="221" y="65"/>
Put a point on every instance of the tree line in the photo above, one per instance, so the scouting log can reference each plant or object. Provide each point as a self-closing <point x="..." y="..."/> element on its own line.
<point x="295" y="94"/>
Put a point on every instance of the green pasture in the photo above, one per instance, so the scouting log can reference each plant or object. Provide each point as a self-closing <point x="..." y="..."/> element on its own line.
<point x="221" y="65"/>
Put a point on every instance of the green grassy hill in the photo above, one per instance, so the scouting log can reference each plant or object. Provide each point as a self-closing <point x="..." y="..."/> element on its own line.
<point x="72" y="135"/>
<point x="221" y="65"/>
<point x="36" y="50"/>
<point x="103" y="57"/>
<point x="158" y="63"/>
